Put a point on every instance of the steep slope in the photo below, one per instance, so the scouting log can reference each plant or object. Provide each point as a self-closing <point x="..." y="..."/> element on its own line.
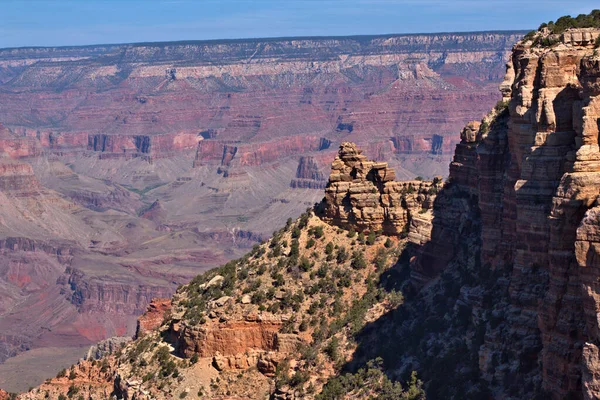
<point x="278" y="322"/>
<point x="513" y="239"/>
<point x="154" y="162"/>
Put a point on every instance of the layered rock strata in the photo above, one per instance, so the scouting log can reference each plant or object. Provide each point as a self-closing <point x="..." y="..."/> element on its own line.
<point x="365" y="196"/>
<point x="152" y="101"/>
<point x="531" y="173"/>
<point x="308" y="175"/>
<point x="256" y="154"/>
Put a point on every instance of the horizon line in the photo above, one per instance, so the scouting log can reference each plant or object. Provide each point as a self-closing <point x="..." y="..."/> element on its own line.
<point x="267" y="38"/>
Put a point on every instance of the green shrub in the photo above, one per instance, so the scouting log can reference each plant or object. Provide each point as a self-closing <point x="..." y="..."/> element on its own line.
<point x="531" y="34"/>
<point x="371" y="238"/>
<point x="261" y="269"/>
<point x="501" y="106"/>
<point x="358" y="260"/>
<point x="342" y="255"/>
<point x="296" y="232"/>
<point x="258" y="297"/>
<point x="361" y="238"/>
<point x="279" y="280"/>
<point x="305" y="264"/>
<point x="299" y="379"/>
<point x="395" y="298"/>
<point x="294" y="249"/>
<point x="73" y="390"/>
<point x="332" y="349"/>
<point x="372" y="380"/>
<point x="381" y="260"/>
<point x="329" y="248"/>
<point x="282" y="376"/>
<point x="318" y="232"/>
<point x="591" y="20"/>
<point x="484" y="127"/>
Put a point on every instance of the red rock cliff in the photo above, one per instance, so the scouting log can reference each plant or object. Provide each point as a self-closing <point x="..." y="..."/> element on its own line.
<point x="531" y="173"/>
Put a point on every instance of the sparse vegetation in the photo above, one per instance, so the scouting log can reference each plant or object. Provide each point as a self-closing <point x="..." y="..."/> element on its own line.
<point x="371" y="238"/>
<point x="325" y="290"/>
<point x="370" y="382"/>
<point x="548" y="34"/>
<point x="484" y="127"/>
<point x="501" y="106"/>
<point x="591" y="20"/>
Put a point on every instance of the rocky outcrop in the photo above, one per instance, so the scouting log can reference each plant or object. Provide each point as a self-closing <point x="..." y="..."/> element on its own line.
<point x="364" y="195"/>
<point x="153" y="317"/>
<point x="106" y="347"/>
<point x="155" y="212"/>
<point x="17" y="146"/>
<point x="229" y="338"/>
<point x="17" y="177"/>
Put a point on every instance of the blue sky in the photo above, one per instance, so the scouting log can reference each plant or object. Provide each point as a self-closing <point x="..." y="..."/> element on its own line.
<point x="77" y="22"/>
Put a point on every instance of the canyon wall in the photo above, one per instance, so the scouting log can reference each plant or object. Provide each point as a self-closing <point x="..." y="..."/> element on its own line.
<point x="149" y="163"/>
<point x="157" y="100"/>
<point x="531" y="176"/>
<point x="498" y="265"/>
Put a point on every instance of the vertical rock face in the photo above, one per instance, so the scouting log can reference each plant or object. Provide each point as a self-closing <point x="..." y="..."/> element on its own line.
<point x="140" y="145"/>
<point x="308" y="175"/>
<point x="256" y="154"/>
<point x="364" y="195"/>
<point x="532" y="170"/>
<point x="411" y="144"/>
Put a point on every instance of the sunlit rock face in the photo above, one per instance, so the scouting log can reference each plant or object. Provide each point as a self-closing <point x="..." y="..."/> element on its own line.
<point x="364" y="195"/>
<point x="408" y="93"/>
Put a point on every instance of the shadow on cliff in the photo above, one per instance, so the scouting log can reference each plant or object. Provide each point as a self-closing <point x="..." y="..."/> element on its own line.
<point x="432" y="331"/>
<point x="454" y="306"/>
